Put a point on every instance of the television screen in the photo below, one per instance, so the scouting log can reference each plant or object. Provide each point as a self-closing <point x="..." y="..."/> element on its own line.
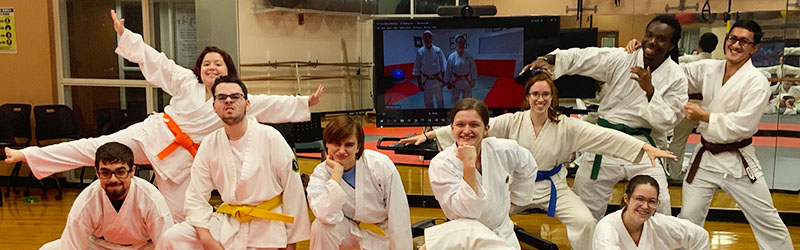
<point x="574" y="86"/>
<point x="424" y="66"/>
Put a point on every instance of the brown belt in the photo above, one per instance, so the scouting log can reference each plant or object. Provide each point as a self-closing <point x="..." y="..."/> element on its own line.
<point x="715" y="148"/>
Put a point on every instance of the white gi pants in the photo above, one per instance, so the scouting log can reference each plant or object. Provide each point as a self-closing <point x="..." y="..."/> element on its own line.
<point x="460" y="91"/>
<point x="344" y="235"/>
<point x="433" y="88"/>
<point x="96" y="243"/>
<point x="754" y="199"/>
<point x="570" y="210"/>
<point x="677" y="146"/>
<point x="463" y="234"/>
<point x="597" y="193"/>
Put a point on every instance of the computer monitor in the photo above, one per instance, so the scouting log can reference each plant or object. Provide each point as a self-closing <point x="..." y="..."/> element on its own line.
<point x="499" y="46"/>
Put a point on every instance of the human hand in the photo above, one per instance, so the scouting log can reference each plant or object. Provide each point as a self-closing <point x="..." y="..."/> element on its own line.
<point x="695" y="113"/>
<point x="416" y="140"/>
<point x="653" y="153"/>
<point x="314" y="99"/>
<point x="119" y="24"/>
<point x="14" y="156"/>
<point x="633" y="45"/>
<point x="644" y="78"/>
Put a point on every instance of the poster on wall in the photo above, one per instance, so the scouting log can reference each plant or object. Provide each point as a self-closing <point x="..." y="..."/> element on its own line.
<point x="185" y="37"/>
<point x="8" y="35"/>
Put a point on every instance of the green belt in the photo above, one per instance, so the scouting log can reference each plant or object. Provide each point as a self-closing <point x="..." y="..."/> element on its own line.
<point x="598" y="158"/>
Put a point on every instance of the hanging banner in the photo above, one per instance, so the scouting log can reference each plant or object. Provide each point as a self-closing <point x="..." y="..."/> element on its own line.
<point x="8" y="35"/>
<point x="185" y="38"/>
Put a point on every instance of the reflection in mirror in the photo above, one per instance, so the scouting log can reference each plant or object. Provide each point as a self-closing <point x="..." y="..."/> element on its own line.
<point x="785" y="92"/>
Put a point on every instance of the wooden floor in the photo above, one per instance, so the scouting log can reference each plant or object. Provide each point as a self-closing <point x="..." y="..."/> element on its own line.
<point x="29" y="225"/>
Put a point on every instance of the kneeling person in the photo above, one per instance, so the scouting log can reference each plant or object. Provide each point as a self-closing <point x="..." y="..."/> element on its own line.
<point x="481" y="178"/>
<point x="251" y="166"/>
<point x="117" y="211"/>
<point x="356" y="195"/>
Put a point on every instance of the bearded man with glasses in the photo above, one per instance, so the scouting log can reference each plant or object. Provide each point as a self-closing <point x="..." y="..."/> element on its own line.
<point x="118" y="210"/>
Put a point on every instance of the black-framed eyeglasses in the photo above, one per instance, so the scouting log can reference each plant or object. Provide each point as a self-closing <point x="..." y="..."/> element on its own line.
<point x="121" y="173"/>
<point x="741" y="40"/>
<point x="234" y="97"/>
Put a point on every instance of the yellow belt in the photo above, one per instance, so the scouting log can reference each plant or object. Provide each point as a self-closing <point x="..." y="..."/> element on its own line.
<point x="245" y="213"/>
<point x="371" y="227"/>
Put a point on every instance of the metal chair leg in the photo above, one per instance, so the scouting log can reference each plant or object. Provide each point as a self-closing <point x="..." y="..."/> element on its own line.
<point x="61" y="190"/>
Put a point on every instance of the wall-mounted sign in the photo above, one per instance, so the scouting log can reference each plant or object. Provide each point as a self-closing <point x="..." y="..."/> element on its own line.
<point x="8" y="34"/>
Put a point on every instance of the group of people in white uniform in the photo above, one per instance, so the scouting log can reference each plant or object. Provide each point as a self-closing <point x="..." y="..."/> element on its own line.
<point x="433" y="71"/>
<point x="210" y="137"/>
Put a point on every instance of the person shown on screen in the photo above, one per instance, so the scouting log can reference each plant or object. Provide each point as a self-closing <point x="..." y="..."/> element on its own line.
<point x="429" y="67"/>
<point x="461" y="72"/>
<point x="551" y="138"/>
<point x="481" y="177"/>
<point x="646" y="93"/>
<point x="356" y="194"/>
<point x="168" y="141"/>
<point x="638" y="226"/>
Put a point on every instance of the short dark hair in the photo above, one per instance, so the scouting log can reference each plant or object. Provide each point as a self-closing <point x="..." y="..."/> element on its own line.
<point x="228" y="79"/>
<point x="113" y="152"/>
<point x="750" y="25"/>
<point x="676" y="32"/>
<point x="342" y="127"/>
<point x="708" y="42"/>
<point x="471" y="104"/>
<point x="225" y="58"/>
<point x="640" y="180"/>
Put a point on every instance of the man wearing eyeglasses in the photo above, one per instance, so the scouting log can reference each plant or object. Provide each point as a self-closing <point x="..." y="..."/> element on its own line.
<point x="646" y="93"/>
<point x="734" y="96"/>
<point x="117" y="211"/>
<point x="253" y="168"/>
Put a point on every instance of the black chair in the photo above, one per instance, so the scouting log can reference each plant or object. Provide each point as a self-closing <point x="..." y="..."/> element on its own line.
<point x="55" y="122"/>
<point x="308" y="135"/>
<point x="6" y="140"/>
<point x="17" y="117"/>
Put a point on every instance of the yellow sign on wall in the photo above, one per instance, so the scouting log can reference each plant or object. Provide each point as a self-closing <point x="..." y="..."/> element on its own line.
<point x="8" y="35"/>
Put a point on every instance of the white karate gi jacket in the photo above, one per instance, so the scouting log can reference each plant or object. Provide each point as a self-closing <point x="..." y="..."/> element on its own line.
<point x="660" y="232"/>
<point x="735" y="108"/>
<point x="625" y="102"/>
<point x="556" y="141"/>
<point x="464" y="65"/>
<point x="378" y="198"/>
<point x="143" y="217"/>
<point x="189" y="108"/>
<point x="429" y="62"/>
<point x="507" y="176"/>
<point x="266" y="171"/>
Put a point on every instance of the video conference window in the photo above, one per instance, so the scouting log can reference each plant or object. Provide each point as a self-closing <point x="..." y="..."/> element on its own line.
<point x="436" y="68"/>
<point x="424" y="66"/>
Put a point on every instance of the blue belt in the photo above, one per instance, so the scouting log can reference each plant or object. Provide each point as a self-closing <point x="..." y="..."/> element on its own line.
<point x="547" y="175"/>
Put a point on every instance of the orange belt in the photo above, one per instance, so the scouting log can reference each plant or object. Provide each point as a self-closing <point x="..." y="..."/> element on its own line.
<point x="181" y="140"/>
